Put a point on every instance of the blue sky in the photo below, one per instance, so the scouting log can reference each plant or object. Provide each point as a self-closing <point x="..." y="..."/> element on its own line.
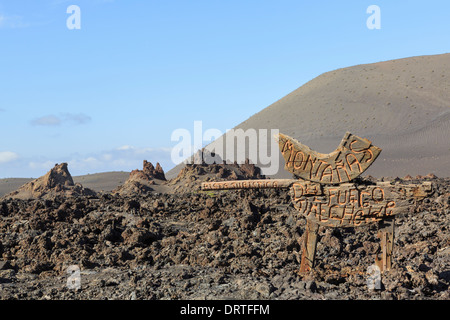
<point x="109" y="95"/>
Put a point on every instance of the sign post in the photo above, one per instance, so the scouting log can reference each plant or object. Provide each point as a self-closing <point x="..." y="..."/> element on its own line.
<point x="326" y="196"/>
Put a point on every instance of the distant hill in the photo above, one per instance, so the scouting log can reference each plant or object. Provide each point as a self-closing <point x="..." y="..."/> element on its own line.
<point x="106" y="181"/>
<point x="402" y="106"/>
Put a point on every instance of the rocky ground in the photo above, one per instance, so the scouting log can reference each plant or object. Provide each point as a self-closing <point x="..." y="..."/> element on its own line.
<point x="239" y="244"/>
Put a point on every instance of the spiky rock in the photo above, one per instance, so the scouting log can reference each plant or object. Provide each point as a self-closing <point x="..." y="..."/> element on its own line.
<point x="57" y="182"/>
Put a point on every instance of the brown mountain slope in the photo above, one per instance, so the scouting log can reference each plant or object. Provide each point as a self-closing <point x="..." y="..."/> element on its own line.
<point x="402" y="106"/>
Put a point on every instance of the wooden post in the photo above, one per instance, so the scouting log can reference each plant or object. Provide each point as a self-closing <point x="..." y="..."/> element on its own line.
<point x="309" y="246"/>
<point x="386" y="235"/>
<point x="249" y="184"/>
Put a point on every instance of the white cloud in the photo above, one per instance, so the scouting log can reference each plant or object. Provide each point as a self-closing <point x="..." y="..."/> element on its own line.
<point x="124" y="158"/>
<point x="53" y="120"/>
<point x="8" y="156"/>
<point x="117" y="159"/>
<point x="46" y="121"/>
<point x="126" y="147"/>
<point x="12" y="21"/>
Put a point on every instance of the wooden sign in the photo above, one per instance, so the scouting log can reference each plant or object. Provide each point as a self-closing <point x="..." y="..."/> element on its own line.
<point x="352" y="157"/>
<point x="248" y="184"/>
<point x="353" y="205"/>
<point x="324" y="195"/>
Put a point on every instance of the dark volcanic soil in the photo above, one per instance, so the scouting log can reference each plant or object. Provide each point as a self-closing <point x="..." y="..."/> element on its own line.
<point x="211" y="245"/>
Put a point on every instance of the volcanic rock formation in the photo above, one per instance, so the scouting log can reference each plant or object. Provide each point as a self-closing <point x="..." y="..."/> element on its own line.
<point x="149" y="172"/>
<point x="57" y="181"/>
<point x="142" y="181"/>
<point x="192" y="175"/>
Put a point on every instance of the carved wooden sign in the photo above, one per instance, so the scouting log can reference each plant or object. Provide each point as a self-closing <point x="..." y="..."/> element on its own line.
<point x="344" y="205"/>
<point x="353" y="205"/>
<point x="352" y="157"/>
<point x="248" y="184"/>
<point x="324" y="195"/>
